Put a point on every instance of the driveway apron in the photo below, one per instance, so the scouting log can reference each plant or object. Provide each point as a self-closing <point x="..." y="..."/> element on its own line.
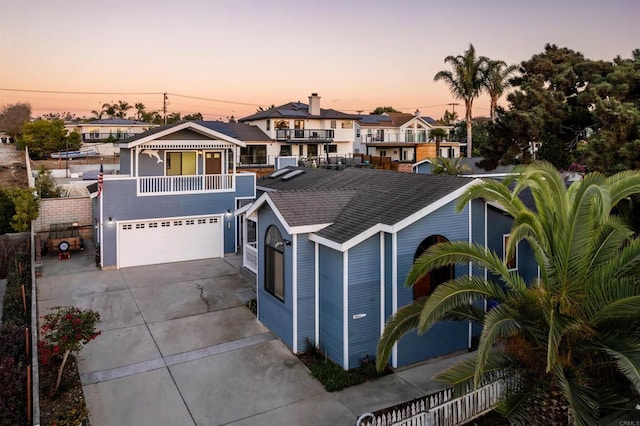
<point x="179" y="346"/>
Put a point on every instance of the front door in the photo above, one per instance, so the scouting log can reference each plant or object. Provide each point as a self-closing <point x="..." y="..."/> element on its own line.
<point x="213" y="163"/>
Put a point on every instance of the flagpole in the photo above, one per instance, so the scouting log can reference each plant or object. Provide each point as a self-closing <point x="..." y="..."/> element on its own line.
<point x="101" y="231"/>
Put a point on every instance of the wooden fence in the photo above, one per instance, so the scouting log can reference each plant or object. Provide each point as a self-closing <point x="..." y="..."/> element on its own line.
<point x="443" y="408"/>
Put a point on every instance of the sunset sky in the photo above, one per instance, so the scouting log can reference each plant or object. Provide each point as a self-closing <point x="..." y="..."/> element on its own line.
<point x="236" y="55"/>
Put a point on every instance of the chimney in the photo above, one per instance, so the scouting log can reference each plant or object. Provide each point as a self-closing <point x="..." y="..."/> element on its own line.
<point x="314" y="104"/>
<point x="418" y="113"/>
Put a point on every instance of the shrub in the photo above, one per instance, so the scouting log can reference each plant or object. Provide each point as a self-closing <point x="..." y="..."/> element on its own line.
<point x="69" y="328"/>
<point x="13" y="375"/>
<point x="333" y="377"/>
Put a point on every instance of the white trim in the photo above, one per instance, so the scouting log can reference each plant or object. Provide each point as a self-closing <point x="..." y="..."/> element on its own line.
<point x="394" y="291"/>
<point x="294" y="285"/>
<point x="382" y="284"/>
<point x="345" y="310"/>
<point x="205" y="131"/>
<point x="486" y="248"/>
<point x="303" y="229"/>
<point x="488" y="175"/>
<point x="470" y="269"/>
<point x="316" y="290"/>
<point x="419" y="163"/>
<point x="392" y="229"/>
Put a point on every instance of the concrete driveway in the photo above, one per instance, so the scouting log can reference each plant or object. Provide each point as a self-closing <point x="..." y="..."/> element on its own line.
<point x="179" y="347"/>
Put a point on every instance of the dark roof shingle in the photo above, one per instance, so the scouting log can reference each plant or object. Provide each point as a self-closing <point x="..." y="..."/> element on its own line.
<point x="374" y="196"/>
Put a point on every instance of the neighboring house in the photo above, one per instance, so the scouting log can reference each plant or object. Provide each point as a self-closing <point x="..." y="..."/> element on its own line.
<point x="174" y="197"/>
<point x="402" y="136"/>
<point x="426" y="166"/>
<point x="304" y="131"/>
<point x="108" y="130"/>
<point x="332" y="249"/>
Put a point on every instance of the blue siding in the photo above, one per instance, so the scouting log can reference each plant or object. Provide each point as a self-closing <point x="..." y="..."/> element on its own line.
<point x="331" y="306"/>
<point x="388" y="276"/>
<point x="274" y="313"/>
<point x="527" y="266"/>
<point x="306" y="292"/>
<point x="364" y="298"/>
<point x="447" y="336"/>
<point x="424" y="168"/>
<point x="125" y="158"/>
<point x="121" y="203"/>
<point x="149" y="166"/>
<point x="500" y="223"/>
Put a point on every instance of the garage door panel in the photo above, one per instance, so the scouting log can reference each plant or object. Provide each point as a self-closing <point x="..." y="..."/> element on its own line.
<point x="169" y="240"/>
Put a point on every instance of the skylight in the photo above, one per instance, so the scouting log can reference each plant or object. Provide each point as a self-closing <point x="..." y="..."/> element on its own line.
<point x="292" y="174"/>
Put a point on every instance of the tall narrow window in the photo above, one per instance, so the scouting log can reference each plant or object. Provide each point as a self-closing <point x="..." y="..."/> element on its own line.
<point x="274" y="263"/>
<point x="427" y="284"/>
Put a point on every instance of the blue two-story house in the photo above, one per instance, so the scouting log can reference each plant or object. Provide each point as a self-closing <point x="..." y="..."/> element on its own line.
<point x="175" y="195"/>
<point x="333" y="249"/>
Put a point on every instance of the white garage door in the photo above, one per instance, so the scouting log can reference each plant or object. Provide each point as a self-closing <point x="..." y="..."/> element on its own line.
<point x="149" y="242"/>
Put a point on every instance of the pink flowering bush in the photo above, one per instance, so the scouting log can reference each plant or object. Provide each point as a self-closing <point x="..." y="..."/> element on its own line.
<point x="67" y="329"/>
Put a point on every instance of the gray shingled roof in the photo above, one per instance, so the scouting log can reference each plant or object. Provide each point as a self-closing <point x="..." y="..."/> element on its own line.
<point x="311" y="206"/>
<point x="240" y="131"/>
<point x="377" y="196"/>
<point x="117" y="122"/>
<point x="297" y="110"/>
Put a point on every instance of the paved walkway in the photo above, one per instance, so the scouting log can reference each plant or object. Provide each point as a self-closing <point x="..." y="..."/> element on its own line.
<point x="179" y="347"/>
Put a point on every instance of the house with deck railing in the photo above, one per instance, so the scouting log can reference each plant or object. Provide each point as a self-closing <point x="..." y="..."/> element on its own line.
<point x="305" y="132"/>
<point x="402" y="137"/>
<point x="174" y="197"/>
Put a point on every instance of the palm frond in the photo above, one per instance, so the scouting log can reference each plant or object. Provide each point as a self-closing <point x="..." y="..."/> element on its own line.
<point x="403" y="321"/>
<point x="627" y="357"/>
<point x="583" y="402"/>
<point x="459" y="252"/>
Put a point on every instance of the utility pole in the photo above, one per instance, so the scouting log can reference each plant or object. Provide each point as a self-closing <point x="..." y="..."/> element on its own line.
<point x="453" y="106"/>
<point x="164" y="106"/>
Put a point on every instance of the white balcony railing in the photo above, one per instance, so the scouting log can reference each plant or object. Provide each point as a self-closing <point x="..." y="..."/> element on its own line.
<point x="190" y="184"/>
<point x="250" y="257"/>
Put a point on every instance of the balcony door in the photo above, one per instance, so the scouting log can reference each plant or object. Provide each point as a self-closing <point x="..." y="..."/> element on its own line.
<point x="213" y="163"/>
<point x="298" y="125"/>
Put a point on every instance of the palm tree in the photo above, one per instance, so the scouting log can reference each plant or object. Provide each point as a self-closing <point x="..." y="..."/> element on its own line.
<point x="140" y="110"/>
<point x="121" y="108"/>
<point x="498" y="80"/>
<point x="438" y="134"/>
<point x="572" y="336"/>
<point x="109" y="109"/>
<point x="466" y="81"/>
<point x="449" y="166"/>
<point x="98" y="114"/>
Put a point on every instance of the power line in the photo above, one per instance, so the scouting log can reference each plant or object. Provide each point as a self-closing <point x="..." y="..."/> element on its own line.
<point x="60" y="92"/>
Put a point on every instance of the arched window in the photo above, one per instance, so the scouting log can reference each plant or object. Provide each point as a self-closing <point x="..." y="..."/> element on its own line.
<point x="428" y="283"/>
<point x="274" y="262"/>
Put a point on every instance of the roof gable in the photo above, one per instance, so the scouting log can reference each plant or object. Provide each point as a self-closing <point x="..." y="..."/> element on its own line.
<point x="297" y="110"/>
<point x="377" y="199"/>
<point x="166" y="131"/>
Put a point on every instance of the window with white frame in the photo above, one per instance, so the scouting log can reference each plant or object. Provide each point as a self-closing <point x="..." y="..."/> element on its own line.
<point x="181" y="163"/>
<point x="274" y="263"/>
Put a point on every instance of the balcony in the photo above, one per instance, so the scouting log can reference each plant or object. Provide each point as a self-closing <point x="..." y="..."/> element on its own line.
<point x="190" y="184"/>
<point x="305" y="135"/>
<point x="401" y="137"/>
<point x="100" y="137"/>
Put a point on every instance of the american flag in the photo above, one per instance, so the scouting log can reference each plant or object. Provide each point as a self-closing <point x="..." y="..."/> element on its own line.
<point x="100" y="180"/>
